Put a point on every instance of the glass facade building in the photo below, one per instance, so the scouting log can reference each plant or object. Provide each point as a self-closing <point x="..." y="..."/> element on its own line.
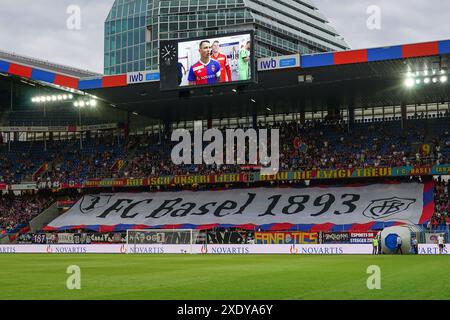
<point x="134" y="28"/>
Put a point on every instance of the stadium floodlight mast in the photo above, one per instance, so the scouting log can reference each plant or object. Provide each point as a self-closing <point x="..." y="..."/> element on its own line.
<point x="426" y="77"/>
<point x="80" y="104"/>
<point x="85" y="103"/>
<point x="52" y="98"/>
<point x="409" y="83"/>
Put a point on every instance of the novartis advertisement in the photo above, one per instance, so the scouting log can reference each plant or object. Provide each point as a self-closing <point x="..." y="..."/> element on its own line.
<point x="433" y="249"/>
<point x="305" y="249"/>
<point x="187" y="249"/>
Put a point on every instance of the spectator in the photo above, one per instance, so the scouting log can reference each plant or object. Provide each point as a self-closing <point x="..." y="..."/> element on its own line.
<point x="399" y="245"/>
<point x="414" y="245"/>
<point x="440" y="240"/>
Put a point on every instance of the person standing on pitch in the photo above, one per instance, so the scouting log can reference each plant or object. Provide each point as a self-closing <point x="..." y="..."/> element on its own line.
<point x="441" y="243"/>
<point x="379" y="242"/>
<point x="375" y="245"/>
<point x="399" y="245"/>
<point x="414" y="245"/>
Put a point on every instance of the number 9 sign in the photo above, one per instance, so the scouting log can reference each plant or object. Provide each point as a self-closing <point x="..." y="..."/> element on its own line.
<point x="425" y="148"/>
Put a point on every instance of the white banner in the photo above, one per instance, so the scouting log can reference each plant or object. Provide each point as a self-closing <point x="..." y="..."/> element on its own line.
<point x="62" y="249"/>
<point x="259" y="206"/>
<point x="65" y="238"/>
<point x="24" y="186"/>
<point x="186" y="249"/>
<point x="308" y="249"/>
<point x="285" y="249"/>
<point x="431" y="238"/>
<point x="93" y="127"/>
<point x="433" y="249"/>
<point x="104" y="126"/>
<point x="30" y="129"/>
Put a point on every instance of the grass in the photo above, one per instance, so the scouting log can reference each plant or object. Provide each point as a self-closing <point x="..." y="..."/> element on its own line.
<point x="229" y="277"/>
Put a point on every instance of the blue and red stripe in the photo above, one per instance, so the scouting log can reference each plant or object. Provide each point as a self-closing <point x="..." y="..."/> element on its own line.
<point x="407" y="51"/>
<point x="325" y="227"/>
<point x="428" y="202"/>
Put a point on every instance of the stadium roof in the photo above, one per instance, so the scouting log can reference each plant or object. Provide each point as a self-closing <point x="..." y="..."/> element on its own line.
<point x="45" y="65"/>
<point x="359" y="78"/>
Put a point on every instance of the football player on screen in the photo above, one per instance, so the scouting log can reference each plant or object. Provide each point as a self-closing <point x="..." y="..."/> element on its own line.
<point x="223" y="60"/>
<point x="207" y="70"/>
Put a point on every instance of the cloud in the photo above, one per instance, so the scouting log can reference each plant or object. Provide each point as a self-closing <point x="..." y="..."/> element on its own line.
<point x="402" y="21"/>
<point x="39" y="28"/>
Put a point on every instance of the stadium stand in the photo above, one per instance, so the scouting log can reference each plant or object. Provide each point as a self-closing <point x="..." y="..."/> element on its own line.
<point x="322" y="145"/>
<point x="364" y="121"/>
<point x="35" y="118"/>
<point x="18" y="211"/>
<point x="441" y="217"/>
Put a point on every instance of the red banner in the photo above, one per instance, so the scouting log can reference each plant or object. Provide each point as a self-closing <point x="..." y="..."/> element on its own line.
<point x="65" y="204"/>
<point x="38" y="172"/>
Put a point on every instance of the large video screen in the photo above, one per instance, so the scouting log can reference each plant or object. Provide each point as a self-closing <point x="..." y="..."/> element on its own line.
<point x="216" y="60"/>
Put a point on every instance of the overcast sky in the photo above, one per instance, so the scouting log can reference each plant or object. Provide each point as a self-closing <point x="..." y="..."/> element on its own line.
<point x="39" y="28"/>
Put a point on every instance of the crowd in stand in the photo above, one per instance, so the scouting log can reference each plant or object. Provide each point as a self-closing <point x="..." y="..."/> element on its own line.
<point x="17" y="211"/>
<point x="66" y="160"/>
<point x="441" y="217"/>
<point x="12" y="171"/>
<point x="303" y="147"/>
<point x="337" y="148"/>
<point x="22" y="159"/>
<point x="314" y="145"/>
<point x="308" y="147"/>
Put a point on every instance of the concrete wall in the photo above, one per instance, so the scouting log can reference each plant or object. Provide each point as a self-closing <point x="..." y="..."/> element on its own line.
<point x="44" y="218"/>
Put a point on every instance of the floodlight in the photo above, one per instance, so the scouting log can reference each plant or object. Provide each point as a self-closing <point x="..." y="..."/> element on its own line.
<point x="409" y="82"/>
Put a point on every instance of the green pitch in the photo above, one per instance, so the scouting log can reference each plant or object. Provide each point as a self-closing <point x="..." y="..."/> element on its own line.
<point x="223" y="277"/>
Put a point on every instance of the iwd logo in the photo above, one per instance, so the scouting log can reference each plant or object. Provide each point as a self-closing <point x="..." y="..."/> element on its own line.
<point x="49" y="249"/>
<point x="293" y="249"/>
<point x="204" y="249"/>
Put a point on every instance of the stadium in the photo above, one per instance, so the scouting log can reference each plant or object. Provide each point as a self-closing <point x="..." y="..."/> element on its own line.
<point x="357" y="146"/>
